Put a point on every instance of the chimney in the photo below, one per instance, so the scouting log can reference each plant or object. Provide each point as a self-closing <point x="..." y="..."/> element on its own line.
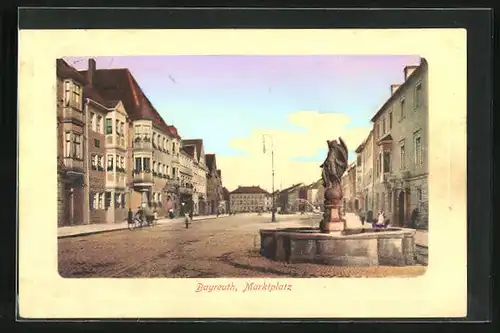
<point x="408" y="70"/>
<point x="91" y="70"/>
<point x="394" y="87"/>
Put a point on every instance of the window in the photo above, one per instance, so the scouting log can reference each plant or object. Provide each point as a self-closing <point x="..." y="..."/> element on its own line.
<point x="68" y="152"/>
<point x="383" y="125"/>
<point x="118" y="200"/>
<point x="109" y="126"/>
<point x="107" y="200"/>
<point x="72" y="95"/>
<point x="387" y="161"/>
<point x="93" y="123"/>
<point x="390" y="120"/>
<point x="154" y="166"/>
<point x="402" y="155"/>
<point x="93" y="161"/>
<point x="164" y="144"/>
<point x="402" y="110"/>
<point x="147" y="163"/>
<point x="138" y="164"/>
<point x="110" y="162"/>
<point x="418" y="95"/>
<point x="97" y="143"/>
<point x="123" y="200"/>
<point x="154" y="139"/>
<point x="101" y="200"/>
<point x="122" y="162"/>
<point x="117" y="127"/>
<point x="94" y="201"/>
<point x="99" y="125"/>
<point x="418" y="151"/>
<point x="173" y="147"/>
<point x="122" y="128"/>
<point x="77" y="141"/>
<point x="100" y="164"/>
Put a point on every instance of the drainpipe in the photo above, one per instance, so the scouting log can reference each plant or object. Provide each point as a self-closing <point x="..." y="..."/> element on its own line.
<point x="86" y="186"/>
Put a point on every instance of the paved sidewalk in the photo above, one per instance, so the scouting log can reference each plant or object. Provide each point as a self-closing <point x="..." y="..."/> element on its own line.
<point x="89" y="229"/>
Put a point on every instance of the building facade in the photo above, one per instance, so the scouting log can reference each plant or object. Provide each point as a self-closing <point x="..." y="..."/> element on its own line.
<point x="200" y="171"/>
<point x="70" y="150"/>
<point x="214" y="184"/>
<point x="364" y="159"/>
<point x="348" y="182"/>
<point x="400" y="161"/>
<point x="288" y="198"/>
<point x="248" y="199"/>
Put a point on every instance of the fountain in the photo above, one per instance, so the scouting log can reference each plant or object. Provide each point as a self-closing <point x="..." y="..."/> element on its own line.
<point x="332" y="243"/>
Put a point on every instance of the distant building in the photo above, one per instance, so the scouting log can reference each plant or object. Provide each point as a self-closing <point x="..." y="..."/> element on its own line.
<point x="200" y="171"/>
<point x="287" y="198"/>
<point x="364" y="173"/>
<point x="315" y="193"/>
<point x="248" y="199"/>
<point x="214" y="184"/>
<point x="348" y="182"/>
<point x="225" y="203"/>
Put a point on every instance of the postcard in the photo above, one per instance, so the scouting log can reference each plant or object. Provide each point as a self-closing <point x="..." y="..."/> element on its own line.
<point x="236" y="173"/>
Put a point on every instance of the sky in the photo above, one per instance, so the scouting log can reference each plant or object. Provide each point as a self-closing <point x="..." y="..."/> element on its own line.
<point x="238" y="104"/>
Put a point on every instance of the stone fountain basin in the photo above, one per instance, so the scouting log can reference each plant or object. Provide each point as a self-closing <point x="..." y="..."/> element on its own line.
<point x="352" y="247"/>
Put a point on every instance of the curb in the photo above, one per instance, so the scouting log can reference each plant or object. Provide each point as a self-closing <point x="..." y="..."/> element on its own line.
<point x="88" y="233"/>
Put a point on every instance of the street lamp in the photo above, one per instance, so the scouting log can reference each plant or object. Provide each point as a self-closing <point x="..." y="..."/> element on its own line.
<point x="273" y="213"/>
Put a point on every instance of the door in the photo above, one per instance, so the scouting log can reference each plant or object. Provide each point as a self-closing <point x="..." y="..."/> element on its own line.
<point x="68" y="205"/>
<point x="401" y="208"/>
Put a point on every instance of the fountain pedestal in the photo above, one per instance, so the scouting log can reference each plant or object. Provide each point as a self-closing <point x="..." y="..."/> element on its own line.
<point x="332" y="218"/>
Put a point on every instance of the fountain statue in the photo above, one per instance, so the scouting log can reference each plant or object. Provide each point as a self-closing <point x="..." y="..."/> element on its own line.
<point x="333" y="167"/>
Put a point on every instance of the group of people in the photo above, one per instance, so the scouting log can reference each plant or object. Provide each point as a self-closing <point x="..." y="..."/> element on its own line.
<point x="143" y="213"/>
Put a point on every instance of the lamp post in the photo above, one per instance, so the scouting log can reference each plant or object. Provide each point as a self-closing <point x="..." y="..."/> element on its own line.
<point x="273" y="211"/>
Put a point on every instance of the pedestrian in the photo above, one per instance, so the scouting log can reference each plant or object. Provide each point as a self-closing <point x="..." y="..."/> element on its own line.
<point x="186" y="220"/>
<point x="130" y="216"/>
<point x="155" y="216"/>
<point x="149" y="215"/>
<point x="171" y="213"/>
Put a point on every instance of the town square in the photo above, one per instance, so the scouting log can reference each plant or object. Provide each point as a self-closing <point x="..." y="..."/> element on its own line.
<point x="152" y="185"/>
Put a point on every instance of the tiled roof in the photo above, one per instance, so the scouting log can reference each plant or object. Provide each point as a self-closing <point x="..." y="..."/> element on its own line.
<point x="66" y="71"/>
<point x="189" y="150"/>
<point x="198" y="143"/>
<point x="293" y="187"/>
<point x="249" y="190"/>
<point x="210" y="161"/>
<point x="119" y="84"/>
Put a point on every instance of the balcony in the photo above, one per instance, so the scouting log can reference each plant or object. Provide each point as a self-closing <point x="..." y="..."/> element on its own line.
<point x="73" y="164"/>
<point x="71" y="114"/>
<point x="141" y="144"/>
<point x="143" y="177"/>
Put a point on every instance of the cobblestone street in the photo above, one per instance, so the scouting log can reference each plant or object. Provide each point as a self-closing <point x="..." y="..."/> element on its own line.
<point x="223" y="247"/>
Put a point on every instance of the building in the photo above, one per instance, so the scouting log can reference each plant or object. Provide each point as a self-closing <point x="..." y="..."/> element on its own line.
<point x="200" y="171"/>
<point x="400" y="130"/>
<point x="269" y="200"/>
<point x="288" y="198"/>
<point x="152" y="152"/>
<point x="70" y="151"/>
<point x="225" y="203"/>
<point x="107" y="157"/>
<point x="315" y="193"/>
<point x="214" y="184"/>
<point x="348" y="182"/>
<point x="186" y="175"/>
<point x="248" y="199"/>
<point x="364" y="158"/>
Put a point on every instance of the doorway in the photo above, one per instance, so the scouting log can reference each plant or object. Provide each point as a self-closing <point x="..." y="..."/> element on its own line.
<point x="401" y="208"/>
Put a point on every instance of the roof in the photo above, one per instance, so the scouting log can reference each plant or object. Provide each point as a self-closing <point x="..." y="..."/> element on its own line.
<point x="363" y="144"/>
<point x="210" y="161"/>
<point x="189" y="150"/>
<point x="249" y="190"/>
<point x="293" y="187"/>
<point x="418" y="69"/>
<point x="198" y="143"/>
<point x="119" y="84"/>
<point x="66" y="71"/>
<point x="91" y="93"/>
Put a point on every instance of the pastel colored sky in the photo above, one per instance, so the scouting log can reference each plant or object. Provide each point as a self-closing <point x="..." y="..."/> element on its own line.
<point x="230" y="101"/>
